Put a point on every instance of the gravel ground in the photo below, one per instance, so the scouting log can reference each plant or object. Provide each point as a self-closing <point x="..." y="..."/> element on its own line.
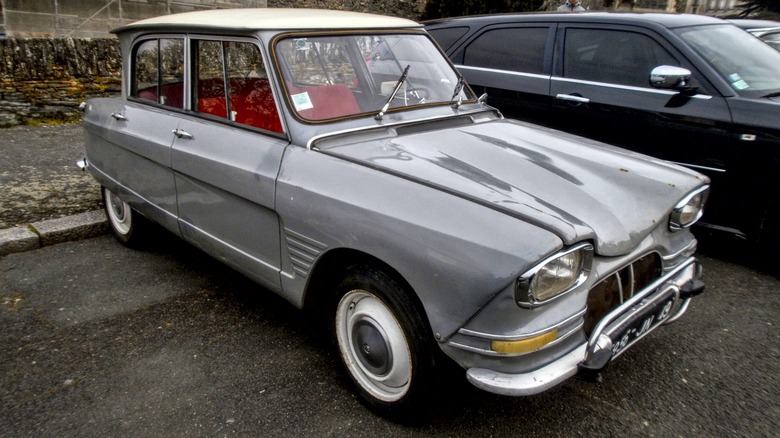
<point x="39" y="179"/>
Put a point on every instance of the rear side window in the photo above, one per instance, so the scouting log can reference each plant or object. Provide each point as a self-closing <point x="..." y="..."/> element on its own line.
<point x="519" y="49"/>
<point x="231" y="83"/>
<point x="612" y="56"/>
<point x="446" y="37"/>
<point x="158" y="71"/>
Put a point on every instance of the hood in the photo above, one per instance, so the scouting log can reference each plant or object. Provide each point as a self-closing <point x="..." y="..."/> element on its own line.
<point x="571" y="186"/>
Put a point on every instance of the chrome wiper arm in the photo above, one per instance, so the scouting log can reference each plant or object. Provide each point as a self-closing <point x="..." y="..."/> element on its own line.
<point x="458" y="89"/>
<point x="398" y="84"/>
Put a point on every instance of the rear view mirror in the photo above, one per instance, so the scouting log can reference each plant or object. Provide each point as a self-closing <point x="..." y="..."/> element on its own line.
<point x="668" y="76"/>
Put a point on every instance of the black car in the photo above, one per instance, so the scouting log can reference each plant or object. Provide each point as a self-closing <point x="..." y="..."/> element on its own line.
<point x="692" y="89"/>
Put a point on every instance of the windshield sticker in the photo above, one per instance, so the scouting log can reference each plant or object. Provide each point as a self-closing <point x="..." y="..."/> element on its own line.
<point x="301" y="44"/>
<point x="302" y="101"/>
<point x="737" y="82"/>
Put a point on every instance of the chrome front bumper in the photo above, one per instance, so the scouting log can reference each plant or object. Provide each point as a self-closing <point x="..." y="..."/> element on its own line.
<point x="614" y="334"/>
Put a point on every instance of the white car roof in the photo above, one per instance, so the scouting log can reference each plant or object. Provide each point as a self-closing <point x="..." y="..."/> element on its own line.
<point x="269" y="19"/>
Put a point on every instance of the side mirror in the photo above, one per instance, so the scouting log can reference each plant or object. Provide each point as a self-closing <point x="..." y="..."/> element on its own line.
<point x="668" y="76"/>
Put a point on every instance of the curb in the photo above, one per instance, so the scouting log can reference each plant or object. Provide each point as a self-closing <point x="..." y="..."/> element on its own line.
<point x="53" y="231"/>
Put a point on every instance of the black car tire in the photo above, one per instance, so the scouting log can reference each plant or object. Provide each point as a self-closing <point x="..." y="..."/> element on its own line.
<point x="383" y="342"/>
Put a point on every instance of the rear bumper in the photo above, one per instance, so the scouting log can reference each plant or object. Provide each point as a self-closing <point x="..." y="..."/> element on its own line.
<point x="614" y="334"/>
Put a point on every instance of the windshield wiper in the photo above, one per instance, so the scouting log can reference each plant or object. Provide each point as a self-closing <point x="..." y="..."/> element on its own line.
<point x="775" y="94"/>
<point x="392" y="95"/>
<point x="458" y="89"/>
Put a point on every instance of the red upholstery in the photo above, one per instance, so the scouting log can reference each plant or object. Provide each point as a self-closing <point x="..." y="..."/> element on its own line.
<point x="251" y="100"/>
<point x="328" y="101"/>
<point x="173" y="93"/>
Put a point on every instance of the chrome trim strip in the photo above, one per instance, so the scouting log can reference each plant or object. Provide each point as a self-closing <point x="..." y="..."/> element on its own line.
<point x="493" y="337"/>
<point x="509" y="72"/>
<point x="557" y="340"/>
<point x="691" y="247"/>
<point x="628" y="87"/>
<point x="316" y="138"/>
<point x="694" y="166"/>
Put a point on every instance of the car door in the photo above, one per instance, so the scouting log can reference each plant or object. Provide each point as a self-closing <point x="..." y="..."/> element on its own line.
<point x="226" y="157"/>
<point x="135" y="149"/>
<point x="511" y="63"/>
<point x="600" y="89"/>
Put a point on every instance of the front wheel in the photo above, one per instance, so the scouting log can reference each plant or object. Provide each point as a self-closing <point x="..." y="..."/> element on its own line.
<point x="383" y="343"/>
<point x="125" y="223"/>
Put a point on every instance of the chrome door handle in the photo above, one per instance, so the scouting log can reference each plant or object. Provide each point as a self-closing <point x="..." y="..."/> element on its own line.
<point x="182" y="134"/>
<point x="573" y="98"/>
<point x="118" y="116"/>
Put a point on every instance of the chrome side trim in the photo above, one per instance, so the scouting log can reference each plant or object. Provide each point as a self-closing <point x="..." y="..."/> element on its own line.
<point x="493" y="337"/>
<point x="508" y="72"/>
<point x="629" y="88"/>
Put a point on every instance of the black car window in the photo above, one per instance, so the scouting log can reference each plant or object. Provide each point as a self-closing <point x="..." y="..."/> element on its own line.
<point x="517" y="49"/>
<point x="158" y="71"/>
<point x="447" y="36"/>
<point x="611" y="56"/>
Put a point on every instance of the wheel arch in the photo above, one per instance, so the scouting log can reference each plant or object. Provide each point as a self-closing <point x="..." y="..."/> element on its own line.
<point x="334" y="265"/>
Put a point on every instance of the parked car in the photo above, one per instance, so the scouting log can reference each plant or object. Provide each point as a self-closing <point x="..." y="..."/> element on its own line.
<point x="767" y="30"/>
<point x="339" y="160"/>
<point x="691" y="89"/>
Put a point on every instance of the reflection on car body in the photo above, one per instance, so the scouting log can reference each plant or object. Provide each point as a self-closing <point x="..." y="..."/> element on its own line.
<point x="521" y="253"/>
<point x="593" y="74"/>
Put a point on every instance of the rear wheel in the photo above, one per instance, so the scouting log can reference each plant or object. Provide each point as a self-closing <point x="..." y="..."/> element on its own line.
<point x="383" y="343"/>
<point x="125" y="223"/>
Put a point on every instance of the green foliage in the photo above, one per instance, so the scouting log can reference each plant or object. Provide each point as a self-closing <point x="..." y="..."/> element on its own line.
<point x="447" y="8"/>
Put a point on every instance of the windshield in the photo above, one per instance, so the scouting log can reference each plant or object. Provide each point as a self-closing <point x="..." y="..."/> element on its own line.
<point x="332" y="77"/>
<point x="747" y="64"/>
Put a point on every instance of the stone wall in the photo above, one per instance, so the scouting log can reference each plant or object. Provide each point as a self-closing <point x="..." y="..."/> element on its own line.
<point x="44" y="80"/>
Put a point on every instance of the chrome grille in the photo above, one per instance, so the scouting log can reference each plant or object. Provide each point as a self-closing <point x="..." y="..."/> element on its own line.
<point x="620" y="286"/>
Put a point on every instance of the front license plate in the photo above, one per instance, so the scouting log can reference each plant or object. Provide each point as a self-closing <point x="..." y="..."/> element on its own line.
<point x="641" y="320"/>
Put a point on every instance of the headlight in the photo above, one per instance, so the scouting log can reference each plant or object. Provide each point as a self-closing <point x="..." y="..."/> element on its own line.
<point x="689" y="209"/>
<point x="554" y="276"/>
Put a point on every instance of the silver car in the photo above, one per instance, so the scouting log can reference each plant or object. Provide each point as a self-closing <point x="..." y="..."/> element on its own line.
<point x="339" y="160"/>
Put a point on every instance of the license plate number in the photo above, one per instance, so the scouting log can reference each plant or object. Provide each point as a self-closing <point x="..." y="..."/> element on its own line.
<point x="641" y="320"/>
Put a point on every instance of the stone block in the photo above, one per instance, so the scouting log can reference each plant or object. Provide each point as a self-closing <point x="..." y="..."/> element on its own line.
<point x="79" y="226"/>
<point x="17" y="239"/>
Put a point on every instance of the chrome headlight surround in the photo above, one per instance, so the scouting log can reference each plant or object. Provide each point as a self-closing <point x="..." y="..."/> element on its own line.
<point x="689" y="209"/>
<point x="554" y="276"/>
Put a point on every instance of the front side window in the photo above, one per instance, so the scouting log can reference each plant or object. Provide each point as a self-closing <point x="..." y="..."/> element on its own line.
<point x="514" y="49"/>
<point x="158" y="72"/>
<point x="231" y="82"/>
<point x="336" y="76"/>
<point x="612" y="56"/>
<point x="748" y="65"/>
